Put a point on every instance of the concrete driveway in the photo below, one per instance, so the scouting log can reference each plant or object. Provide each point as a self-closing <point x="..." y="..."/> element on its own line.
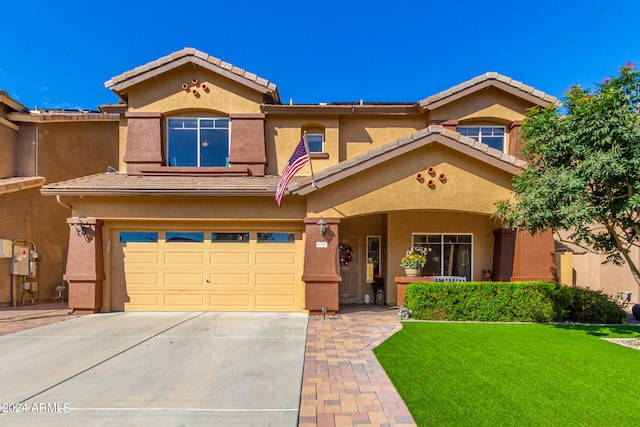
<point x="155" y="369"/>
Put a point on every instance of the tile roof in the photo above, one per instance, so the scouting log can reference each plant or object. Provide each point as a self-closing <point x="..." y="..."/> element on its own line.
<point x="17" y="183"/>
<point x="121" y="184"/>
<point x="186" y="55"/>
<point x="425" y="136"/>
<point x="484" y="80"/>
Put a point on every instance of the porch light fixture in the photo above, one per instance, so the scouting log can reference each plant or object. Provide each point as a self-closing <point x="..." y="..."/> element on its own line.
<point x="81" y="229"/>
<point x="322" y="226"/>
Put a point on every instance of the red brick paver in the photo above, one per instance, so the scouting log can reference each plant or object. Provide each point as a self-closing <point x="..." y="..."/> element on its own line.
<point x="16" y="319"/>
<point x="343" y="383"/>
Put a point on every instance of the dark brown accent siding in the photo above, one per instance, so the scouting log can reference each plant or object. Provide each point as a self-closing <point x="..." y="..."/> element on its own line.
<point x="144" y="141"/>
<point x="534" y="257"/>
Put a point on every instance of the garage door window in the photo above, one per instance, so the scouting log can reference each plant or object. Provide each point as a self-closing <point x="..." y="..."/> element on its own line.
<point x="276" y="237"/>
<point x="185" y="236"/>
<point x="230" y="237"/>
<point x="138" y="236"/>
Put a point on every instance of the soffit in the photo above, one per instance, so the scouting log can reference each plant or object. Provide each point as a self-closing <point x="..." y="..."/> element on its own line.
<point x="432" y="134"/>
<point x="502" y="82"/>
<point x="10" y="102"/>
<point x="124" y="81"/>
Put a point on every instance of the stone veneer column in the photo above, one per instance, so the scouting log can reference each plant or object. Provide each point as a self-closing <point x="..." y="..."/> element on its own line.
<point x="321" y="266"/>
<point x="534" y="257"/>
<point x="85" y="268"/>
<point x="144" y="141"/>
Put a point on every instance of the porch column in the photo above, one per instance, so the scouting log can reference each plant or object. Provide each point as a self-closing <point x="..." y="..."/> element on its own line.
<point x="534" y="257"/>
<point x="503" y="249"/>
<point x="321" y="266"/>
<point x="85" y="269"/>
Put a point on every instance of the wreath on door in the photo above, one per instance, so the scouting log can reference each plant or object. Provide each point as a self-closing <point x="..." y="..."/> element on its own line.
<point x="346" y="254"/>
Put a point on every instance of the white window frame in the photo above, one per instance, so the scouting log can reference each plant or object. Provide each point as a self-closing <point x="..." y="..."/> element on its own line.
<point x="322" y="146"/>
<point x="442" y="243"/>
<point x="480" y="127"/>
<point x="199" y="127"/>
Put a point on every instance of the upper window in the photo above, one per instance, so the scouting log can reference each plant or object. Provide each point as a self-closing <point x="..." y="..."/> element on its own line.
<point x="316" y="142"/>
<point x="493" y="136"/>
<point x="198" y="142"/>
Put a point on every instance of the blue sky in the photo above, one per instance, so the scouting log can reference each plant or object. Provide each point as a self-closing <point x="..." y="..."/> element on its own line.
<point x="59" y="54"/>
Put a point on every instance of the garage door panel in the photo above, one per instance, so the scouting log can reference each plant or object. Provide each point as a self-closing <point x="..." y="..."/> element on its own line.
<point x="181" y="258"/>
<point x="231" y="279"/>
<point x="144" y="301"/>
<point x="230" y="258"/>
<point x="275" y="258"/>
<point x="140" y="257"/>
<point x="142" y="279"/>
<point x="275" y="280"/>
<point x="221" y="301"/>
<point x="184" y="301"/>
<point x="275" y="301"/>
<point x="183" y="279"/>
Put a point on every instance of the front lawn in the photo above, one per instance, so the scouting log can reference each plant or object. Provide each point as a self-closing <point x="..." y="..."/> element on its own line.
<point x="487" y="374"/>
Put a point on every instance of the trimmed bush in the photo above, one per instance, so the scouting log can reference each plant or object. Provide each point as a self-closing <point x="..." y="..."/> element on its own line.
<point x="510" y="302"/>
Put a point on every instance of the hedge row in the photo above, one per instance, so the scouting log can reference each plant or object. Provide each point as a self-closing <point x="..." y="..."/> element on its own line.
<point x="510" y="302"/>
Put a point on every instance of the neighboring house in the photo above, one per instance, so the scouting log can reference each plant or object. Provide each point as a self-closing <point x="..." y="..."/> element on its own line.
<point x="38" y="146"/>
<point x="189" y="221"/>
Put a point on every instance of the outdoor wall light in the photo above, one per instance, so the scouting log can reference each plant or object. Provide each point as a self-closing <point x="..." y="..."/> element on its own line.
<point x="322" y="226"/>
<point x="81" y="229"/>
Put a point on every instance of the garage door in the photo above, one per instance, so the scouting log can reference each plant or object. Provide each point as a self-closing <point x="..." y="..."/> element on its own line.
<point x="206" y="271"/>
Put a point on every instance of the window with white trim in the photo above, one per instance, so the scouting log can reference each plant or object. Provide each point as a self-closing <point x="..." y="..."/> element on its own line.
<point x="448" y="254"/>
<point x="199" y="142"/>
<point x="493" y="136"/>
<point x="316" y="142"/>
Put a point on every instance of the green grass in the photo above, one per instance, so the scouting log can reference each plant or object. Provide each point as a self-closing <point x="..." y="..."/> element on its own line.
<point x="480" y="374"/>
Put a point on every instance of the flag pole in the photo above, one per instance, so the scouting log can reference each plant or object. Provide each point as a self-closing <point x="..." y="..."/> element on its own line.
<point x="306" y="147"/>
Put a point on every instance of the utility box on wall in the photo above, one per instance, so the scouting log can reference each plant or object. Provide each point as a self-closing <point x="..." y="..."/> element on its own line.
<point x="5" y="248"/>
<point x="19" y="265"/>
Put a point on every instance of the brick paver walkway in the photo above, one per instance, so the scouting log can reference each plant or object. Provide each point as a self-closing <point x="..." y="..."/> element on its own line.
<point x="16" y="319"/>
<point x="343" y="384"/>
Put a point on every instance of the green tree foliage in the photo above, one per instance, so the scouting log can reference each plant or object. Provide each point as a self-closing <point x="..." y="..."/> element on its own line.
<point x="583" y="171"/>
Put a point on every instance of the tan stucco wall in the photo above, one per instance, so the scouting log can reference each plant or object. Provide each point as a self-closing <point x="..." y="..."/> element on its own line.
<point x="8" y="143"/>
<point x="401" y="225"/>
<point x="164" y="93"/>
<point x="590" y="272"/>
<point x="197" y="208"/>
<point x="282" y="134"/>
<point x="491" y="104"/>
<point x="470" y="186"/>
<point x="65" y="150"/>
<point x="361" y="134"/>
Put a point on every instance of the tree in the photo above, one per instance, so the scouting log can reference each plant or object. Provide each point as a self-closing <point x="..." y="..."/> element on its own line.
<point x="583" y="169"/>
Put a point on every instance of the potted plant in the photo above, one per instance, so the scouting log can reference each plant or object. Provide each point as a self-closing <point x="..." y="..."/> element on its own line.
<point x="413" y="261"/>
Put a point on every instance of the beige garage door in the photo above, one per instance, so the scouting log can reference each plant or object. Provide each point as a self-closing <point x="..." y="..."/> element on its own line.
<point x="206" y="271"/>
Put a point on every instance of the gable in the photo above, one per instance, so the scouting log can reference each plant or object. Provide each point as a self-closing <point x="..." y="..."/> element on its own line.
<point x="186" y="65"/>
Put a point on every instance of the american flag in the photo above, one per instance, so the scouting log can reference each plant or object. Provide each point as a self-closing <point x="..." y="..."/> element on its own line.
<point x="298" y="159"/>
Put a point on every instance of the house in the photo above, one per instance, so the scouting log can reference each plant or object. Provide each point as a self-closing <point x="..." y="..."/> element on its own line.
<point x="38" y="146"/>
<point x="188" y="222"/>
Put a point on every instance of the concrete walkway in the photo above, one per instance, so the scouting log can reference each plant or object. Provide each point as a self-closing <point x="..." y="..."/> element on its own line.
<point x="342" y="383"/>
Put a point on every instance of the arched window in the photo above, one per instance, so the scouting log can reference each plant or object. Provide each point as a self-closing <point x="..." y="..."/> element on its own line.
<point x="493" y="136"/>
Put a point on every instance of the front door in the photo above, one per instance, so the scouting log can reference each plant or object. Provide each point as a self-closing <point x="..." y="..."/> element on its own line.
<point x="349" y="269"/>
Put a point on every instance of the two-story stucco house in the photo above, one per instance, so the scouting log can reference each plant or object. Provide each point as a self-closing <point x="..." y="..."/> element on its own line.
<point x="189" y="221"/>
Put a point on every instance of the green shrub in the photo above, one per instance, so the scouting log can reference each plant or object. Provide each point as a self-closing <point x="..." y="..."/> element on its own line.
<point x="510" y="302"/>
